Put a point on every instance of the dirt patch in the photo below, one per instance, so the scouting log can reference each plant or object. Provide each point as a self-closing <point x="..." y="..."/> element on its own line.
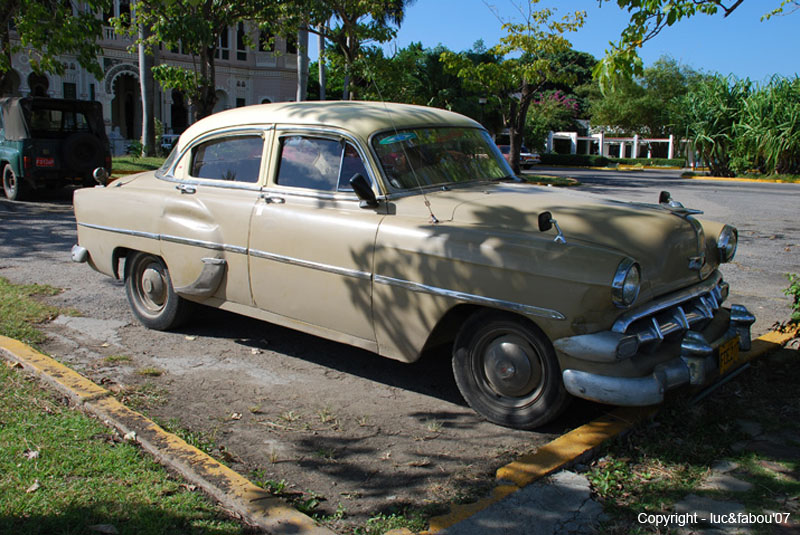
<point x="322" y="421"/>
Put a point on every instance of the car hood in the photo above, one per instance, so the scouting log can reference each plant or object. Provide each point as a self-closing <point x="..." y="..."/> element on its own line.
<point x="661" y="241"/>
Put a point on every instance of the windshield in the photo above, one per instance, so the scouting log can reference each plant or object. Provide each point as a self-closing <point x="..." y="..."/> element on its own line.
<point x="431" y="156"/>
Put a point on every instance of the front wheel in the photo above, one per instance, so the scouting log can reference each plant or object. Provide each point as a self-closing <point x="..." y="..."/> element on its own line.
<point x="14" y="188"/>
<point x="150" y="293"/>
<point x="507" y="371"/>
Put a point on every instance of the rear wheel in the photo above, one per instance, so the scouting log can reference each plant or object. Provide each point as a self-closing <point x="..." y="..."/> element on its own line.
<point x="150" y="293"/>
<point x="14" y="187"/>
<point x="507" y="371"/>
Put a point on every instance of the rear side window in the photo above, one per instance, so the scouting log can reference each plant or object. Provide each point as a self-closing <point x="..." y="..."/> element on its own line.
<point x="318" y="163"/>
<point x="236" y="159"/>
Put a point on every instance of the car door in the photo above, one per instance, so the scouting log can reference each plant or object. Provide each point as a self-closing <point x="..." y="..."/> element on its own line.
<point x="204" y="226"/>
<point x="311" y="244"/>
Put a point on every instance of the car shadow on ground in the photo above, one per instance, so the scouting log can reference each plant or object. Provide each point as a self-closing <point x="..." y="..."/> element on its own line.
<point x="431" y="375"/>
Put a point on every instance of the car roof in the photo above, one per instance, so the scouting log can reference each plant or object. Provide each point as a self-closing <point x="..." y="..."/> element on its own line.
<point x="358" y="117"/>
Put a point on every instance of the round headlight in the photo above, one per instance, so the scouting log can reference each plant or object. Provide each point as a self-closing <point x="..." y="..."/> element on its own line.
<point x="726" y="243"/>
<point x="626" y="283"/>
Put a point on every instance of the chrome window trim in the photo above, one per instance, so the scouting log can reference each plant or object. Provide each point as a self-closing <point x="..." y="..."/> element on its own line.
<point x="624" y="321"/>
<point x="529" y="310"/>
<point x="353" y="273"/>
<point x="284" y="130"/>
<point x="243" y="130"/>
<point x="311" y="194"/>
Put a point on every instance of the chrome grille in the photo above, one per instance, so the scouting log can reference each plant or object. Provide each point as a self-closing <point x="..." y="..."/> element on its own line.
<point x="673" y="315"/>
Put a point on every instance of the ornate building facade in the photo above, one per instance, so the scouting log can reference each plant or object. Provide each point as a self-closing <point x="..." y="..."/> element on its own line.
<point x="244" y="76"/>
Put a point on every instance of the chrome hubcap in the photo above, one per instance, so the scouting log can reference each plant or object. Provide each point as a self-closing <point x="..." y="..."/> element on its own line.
<point x="512" y="366"/>
<point x="153" y="286"/>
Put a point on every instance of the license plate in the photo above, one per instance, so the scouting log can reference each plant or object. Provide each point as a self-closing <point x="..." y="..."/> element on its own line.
<point x="728" y="355"/>
<point x="45" y="162"/>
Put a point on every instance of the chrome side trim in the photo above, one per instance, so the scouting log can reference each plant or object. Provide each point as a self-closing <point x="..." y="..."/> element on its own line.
<point x="363" y="275"/>
<point x="126" y="232"/>
<point x="529" y="310"/>
<point x="204" y="244"/>
<point x="174" y="239"/>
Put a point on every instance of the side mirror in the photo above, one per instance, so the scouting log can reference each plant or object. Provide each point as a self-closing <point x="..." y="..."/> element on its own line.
<point x="545" y="221"/>
<point x="363" y="190"/>
<point x="100" y="176"/>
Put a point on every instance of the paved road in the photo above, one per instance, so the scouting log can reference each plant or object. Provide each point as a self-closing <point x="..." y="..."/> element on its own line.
<point x="766" y="214"/>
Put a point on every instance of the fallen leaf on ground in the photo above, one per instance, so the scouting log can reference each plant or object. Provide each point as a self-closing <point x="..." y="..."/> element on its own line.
<point x="130" y="436"/>
<point x="33" y="488"/>
<point x="31" y="454"/>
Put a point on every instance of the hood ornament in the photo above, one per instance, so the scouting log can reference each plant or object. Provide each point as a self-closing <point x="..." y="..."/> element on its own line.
<point x="666" y="200"/>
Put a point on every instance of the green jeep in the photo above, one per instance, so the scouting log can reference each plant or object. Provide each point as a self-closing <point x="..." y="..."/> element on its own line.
<point x="48" y="142"/>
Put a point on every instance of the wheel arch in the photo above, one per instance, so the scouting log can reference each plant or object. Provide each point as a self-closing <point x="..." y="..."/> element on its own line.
<point x="446" y="329"/>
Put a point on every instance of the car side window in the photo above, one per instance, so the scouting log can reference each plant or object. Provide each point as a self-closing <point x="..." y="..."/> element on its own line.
<point x="236" y="158"/>
<point x="318" y="163"/>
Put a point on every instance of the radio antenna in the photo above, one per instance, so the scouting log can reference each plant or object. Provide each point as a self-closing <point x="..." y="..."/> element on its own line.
<point x="434" y="219"/>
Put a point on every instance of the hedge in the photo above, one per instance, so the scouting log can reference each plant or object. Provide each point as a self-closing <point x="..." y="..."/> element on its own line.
<point x="593" y="160"/>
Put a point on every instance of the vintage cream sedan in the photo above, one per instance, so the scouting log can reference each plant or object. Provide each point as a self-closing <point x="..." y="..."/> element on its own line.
<point x="399" y="228"/>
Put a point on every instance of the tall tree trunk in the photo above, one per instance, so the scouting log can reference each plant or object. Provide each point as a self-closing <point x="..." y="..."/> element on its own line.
<point x="302" y="64"/>
<point x="347" y="63"/>
<point x="322" y="72"/>
<point x="146" y="88"/>
<point x="206" y="93"/>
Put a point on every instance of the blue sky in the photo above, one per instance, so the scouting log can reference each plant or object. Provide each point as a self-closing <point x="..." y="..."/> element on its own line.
<point x="740" y="44"/>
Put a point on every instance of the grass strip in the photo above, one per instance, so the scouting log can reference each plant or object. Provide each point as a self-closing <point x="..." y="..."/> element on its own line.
<point x="62" y="472"/>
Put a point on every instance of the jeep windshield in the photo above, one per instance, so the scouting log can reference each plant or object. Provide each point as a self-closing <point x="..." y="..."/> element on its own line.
<point x="416" y="158"/>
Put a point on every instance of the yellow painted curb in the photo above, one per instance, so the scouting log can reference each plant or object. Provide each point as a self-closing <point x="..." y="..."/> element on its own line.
<point x="73" y="385"/>
<point x="548" y="459"/>
<point x="569" y="447"/>
<point x="738" y="179"/>
<point x="231" y="489"/>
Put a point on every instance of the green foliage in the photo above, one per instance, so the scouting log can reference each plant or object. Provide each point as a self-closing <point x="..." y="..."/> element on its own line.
<point x="767" y="132"/>
<point x="347" y="26"/>
<point x="49" y="29"/>
<point x="63" y="472"/>
<point x="738" y="126"/>
<point x="711" y="110"/>
<point x="552" y="111"/>
<point x="20" y="311"/>
<point x="528" y="61"/>
<point x="194" y="27"/>
<point x="580" y="160"/>
<point x="380" y="524"/>
<point x="647" y="19"/>
<point x="793" y="291"/>
<point x="650" y="103"/>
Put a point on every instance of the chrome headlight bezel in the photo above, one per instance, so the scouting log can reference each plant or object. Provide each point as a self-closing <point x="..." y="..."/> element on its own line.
<point x="727" y="242"/>
<point x="626" y="283"/>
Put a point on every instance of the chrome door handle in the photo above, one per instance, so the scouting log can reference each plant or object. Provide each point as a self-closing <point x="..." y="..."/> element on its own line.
<point x="185" y="188"/>
<point x="273" y="200"/>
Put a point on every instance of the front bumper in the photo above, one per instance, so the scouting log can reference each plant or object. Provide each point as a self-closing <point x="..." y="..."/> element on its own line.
<point x="692" y="321"/>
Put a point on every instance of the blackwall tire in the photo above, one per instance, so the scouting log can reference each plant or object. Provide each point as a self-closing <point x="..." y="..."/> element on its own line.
<point x="15" y="188"/>
<point x="150" y="293"/>
<point x="507" y="371"/>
